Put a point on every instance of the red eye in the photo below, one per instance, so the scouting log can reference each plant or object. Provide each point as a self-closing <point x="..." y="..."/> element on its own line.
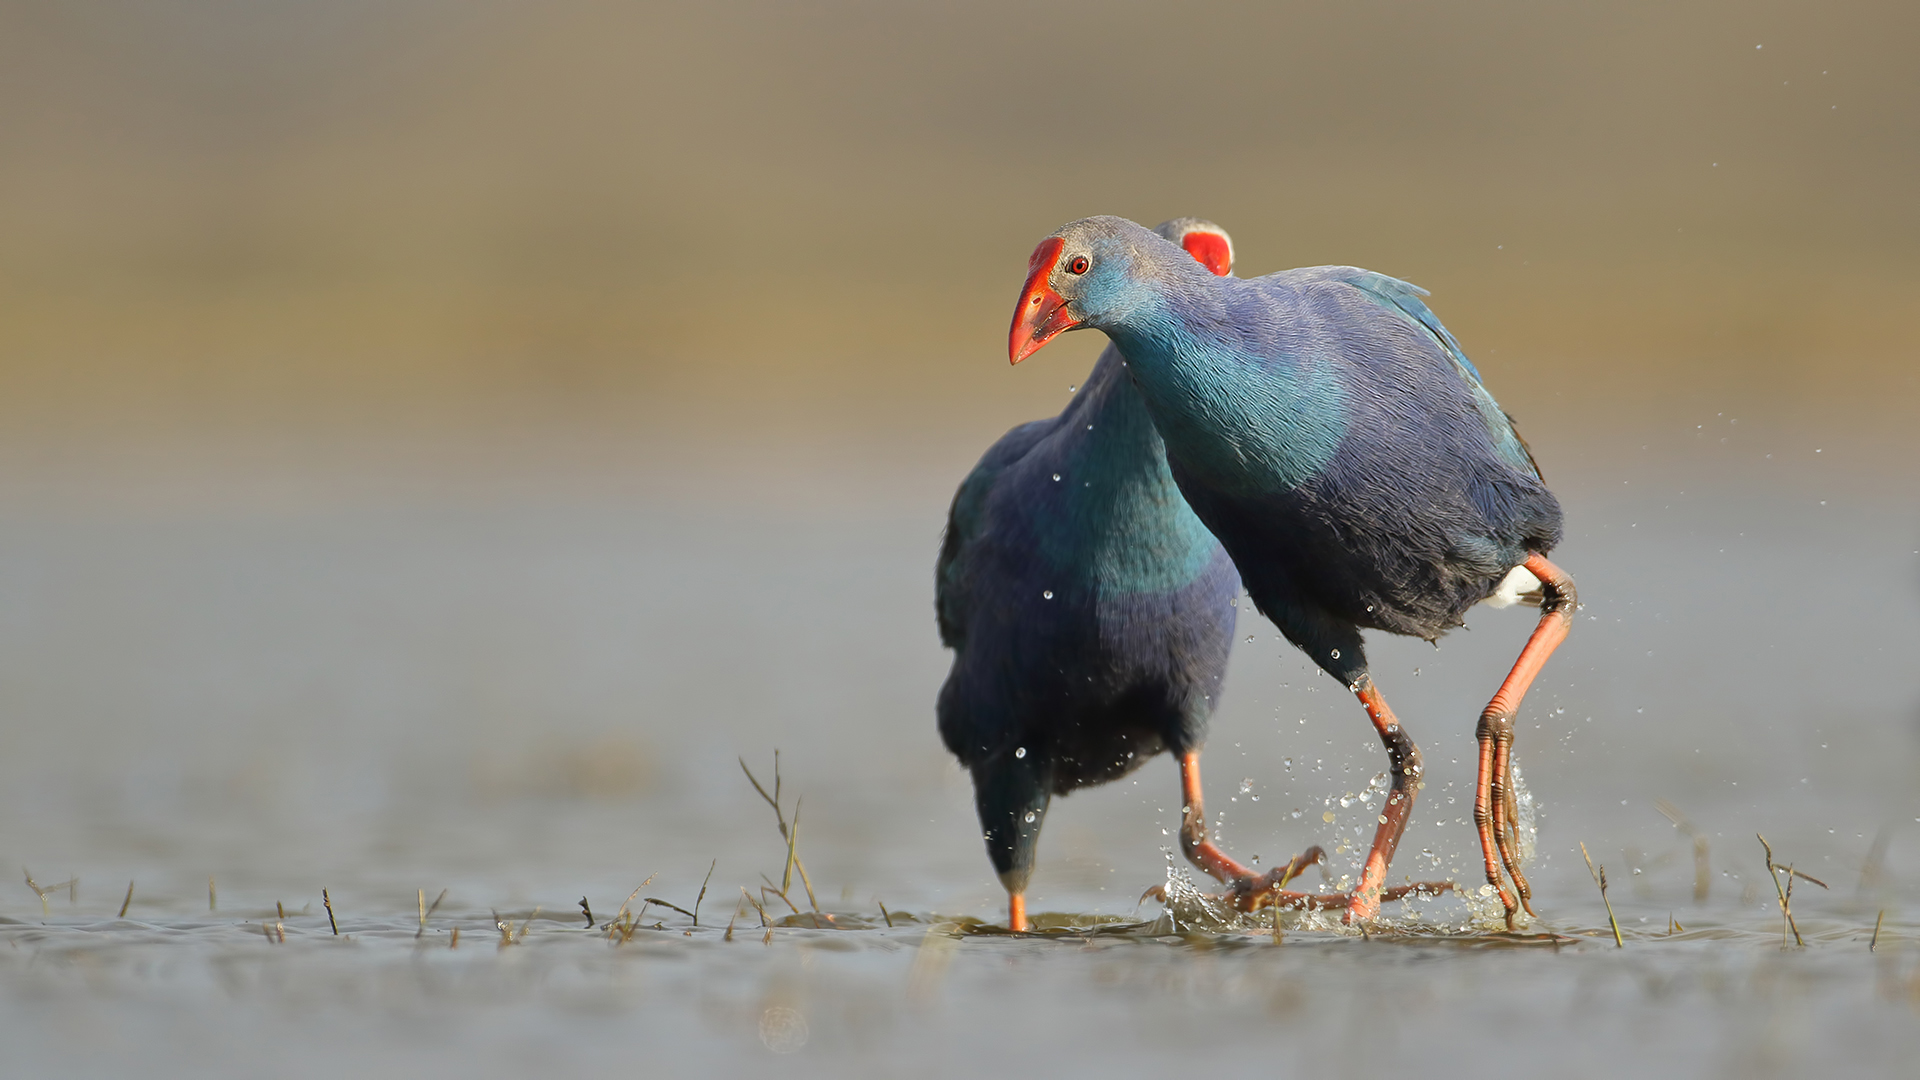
<point x="1078" y="265"/>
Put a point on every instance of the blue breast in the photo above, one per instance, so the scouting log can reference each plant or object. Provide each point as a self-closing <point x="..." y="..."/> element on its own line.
<point x="1087" y="604"/>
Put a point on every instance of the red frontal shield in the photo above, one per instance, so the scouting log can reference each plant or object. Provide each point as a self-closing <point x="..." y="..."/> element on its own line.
<point x="1042" y="313"/>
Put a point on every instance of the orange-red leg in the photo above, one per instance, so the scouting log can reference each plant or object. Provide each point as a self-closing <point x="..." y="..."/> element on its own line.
<point x="1203" y="853"/>
<point x="1404" y="759"/>
<point x="1493" y="797"/>
<point x="1017" y="912"/>
<point x="1364" y="902"/>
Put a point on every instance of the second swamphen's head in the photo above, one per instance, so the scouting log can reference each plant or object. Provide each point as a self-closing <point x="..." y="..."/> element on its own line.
<point x="1091" y="619"/>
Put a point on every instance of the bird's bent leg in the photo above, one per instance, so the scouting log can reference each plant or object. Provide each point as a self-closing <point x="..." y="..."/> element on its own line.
<point x="1493" y="796"/>
<point x="1199" y="850"/>
<point x="1404" y="758"/>
<point x="1203" y="853"/>
<point x="1017" y="912"/>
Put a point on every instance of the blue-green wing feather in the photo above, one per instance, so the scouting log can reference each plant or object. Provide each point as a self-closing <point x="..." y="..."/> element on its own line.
<point x="1403" y="299"/>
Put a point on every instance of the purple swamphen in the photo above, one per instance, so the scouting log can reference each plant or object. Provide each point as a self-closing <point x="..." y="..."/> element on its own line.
<point x="1333" y="435"/>
<point x="1089" y="611"/>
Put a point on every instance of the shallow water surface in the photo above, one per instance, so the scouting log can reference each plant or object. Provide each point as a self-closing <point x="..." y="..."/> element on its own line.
<point x="528" y="700"/>
<point x="926" y="996"/>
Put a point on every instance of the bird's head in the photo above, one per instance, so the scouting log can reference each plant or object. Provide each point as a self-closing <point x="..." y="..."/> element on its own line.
<point x="1208" y="243"/>
<point x="1095" y="270"/>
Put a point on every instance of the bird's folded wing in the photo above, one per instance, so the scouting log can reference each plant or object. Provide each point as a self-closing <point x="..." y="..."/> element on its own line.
<point x="967" y="521"/>
<point x="1403" y="300"/>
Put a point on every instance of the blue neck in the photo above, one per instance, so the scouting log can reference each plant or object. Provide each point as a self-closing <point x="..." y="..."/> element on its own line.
<point x="1125" y="520"/>
<point x="1235" y="405"/>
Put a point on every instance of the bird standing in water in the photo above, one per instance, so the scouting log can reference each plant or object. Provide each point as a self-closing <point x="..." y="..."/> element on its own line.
<point x="1090" y="612"/>
<point x="1333" y="435"/>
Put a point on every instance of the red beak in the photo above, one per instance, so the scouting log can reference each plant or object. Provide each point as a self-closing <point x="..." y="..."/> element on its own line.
<point x="1042" y="312"/>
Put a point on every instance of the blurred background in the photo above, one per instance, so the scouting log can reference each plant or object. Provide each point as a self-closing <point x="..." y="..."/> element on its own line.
<point x="436" y="438"/>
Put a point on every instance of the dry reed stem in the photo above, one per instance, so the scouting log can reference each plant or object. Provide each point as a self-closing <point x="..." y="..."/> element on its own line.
<point x="624" y="922"/>
<point x="587" y="910"/>
<point x="665" y="904"/>
<point x="793" y="849"/>
<point x="328" y="902"/>
<point x="807" y="883"/>
<point x="1600" y="879"/>
<point x="213" y="898"/>
<point x="884" y="913"/>
<point x="730" y="921"/>
<point x="780" y="817"/>
<point x="703" y="890"/>
<point x="1785" y="895"/>
<point x="756" y="906"/>
<point x="770" y="887"/>
<point x="426" y="912"/>
<point x="625" y="928"/>
<point x="454" y="941"/>
<point x="634" y="893"/>
<point x="128" y="902"/>
<point x="71" y="885"/>
<point x="1875" y="943"/>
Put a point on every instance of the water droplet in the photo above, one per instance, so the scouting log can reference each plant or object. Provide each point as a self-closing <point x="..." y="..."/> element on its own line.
<point x="1056" y="478"/>
<point x="1029" y="817"/>
<point x="1249" y="639"/>
<point x="1327" y="817"/>
<point x="1071" y="388"/>
<point x="1336" y="654"/>
<point x="1046" y="594"/>
<point x="1383" y="819"/>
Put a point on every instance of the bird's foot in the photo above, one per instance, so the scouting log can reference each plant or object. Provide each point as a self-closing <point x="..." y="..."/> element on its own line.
<point x="1257" y="893"/>
<point x="1242" y="880"/>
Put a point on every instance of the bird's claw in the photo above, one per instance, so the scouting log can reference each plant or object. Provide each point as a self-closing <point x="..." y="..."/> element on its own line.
<point x="1249" y="895"/>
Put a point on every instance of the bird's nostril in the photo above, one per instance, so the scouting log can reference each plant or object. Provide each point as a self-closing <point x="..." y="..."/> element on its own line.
<point x="1035" y="300"/>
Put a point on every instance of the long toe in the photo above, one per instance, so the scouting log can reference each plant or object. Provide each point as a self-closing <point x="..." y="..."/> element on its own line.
<point x="1247" y="897"/>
